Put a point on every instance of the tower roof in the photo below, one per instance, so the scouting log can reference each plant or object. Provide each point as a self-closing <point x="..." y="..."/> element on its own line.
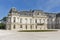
<point x="13" y="9"/>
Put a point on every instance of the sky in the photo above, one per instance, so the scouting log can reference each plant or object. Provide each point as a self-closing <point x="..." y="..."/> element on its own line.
<point x="45" y="5"/>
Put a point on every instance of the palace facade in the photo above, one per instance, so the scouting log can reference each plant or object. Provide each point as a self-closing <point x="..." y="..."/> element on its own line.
<point x="31" y="20"/>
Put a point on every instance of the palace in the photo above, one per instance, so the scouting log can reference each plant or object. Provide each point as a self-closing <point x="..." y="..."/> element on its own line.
<point x="32" y="20"/>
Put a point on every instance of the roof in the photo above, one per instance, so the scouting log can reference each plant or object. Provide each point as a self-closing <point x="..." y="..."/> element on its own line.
<point x="25" y="13"/>
<point x="58" y="15"/>
<point x="30" y="13"/>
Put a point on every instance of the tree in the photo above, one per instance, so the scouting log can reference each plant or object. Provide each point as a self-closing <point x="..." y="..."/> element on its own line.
<point x="2" y="26"/>
<point x="4" y="19"/>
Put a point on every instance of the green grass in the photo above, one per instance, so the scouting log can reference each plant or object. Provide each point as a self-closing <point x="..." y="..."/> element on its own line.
<point x="37" y="30"/>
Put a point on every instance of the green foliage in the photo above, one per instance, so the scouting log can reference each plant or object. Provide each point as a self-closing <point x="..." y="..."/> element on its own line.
<point x="4" y="19"/>
<point x="2" y="26"/>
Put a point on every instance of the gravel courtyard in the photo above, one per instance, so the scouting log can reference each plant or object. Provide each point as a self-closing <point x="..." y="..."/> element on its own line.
<point x="12" y="35"/>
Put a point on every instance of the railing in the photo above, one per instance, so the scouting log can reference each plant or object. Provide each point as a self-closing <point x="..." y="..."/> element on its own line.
<point x="40" y="23"/>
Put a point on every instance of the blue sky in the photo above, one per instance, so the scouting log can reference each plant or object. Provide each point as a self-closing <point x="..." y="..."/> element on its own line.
<point x="45" y="5"/>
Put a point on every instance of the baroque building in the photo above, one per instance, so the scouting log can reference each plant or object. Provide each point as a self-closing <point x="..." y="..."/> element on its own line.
<point x="30" y="20"/>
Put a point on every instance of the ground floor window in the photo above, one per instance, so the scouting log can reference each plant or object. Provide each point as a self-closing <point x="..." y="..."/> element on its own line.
<point x="30" y="26"/>
<point x="20" y="26"/>
<point x="26" y="26"/>
<point x="36" y="26"/>
<point x="14" y="26"/>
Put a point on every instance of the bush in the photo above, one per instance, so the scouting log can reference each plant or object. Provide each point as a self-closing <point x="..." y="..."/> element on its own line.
<point x="37" y="30"/>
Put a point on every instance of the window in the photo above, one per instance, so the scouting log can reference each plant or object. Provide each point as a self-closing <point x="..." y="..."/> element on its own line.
<point x="36" y="26"/>
<point x="26" y="26"/>
<point x="30" y="20"/>
<point x="20" y="26"/>
<point x="44" y="20"/>
<point x="35" y="20"/>
<point x="58" y="22"/>
<point x="31" y="26"/>
<point x="14" y="26"/>
<point x="26" y="20"/>
<point x="20" y="20"/>
<point x="47" y="19"/>
<point x="14" y="19"/>
<point x="40" y="20"/>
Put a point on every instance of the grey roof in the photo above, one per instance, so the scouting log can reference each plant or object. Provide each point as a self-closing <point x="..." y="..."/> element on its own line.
<point x="30" y="13"/>
<point x="58" y="15"/>
<point x="50" y="14"/>
<point x="25" y="13"/>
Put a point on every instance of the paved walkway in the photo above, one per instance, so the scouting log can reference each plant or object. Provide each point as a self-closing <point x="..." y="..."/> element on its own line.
<point x="10" y="35"/>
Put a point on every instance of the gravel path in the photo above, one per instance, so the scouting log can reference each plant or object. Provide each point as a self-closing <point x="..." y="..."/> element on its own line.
<point x="11" y="35"/>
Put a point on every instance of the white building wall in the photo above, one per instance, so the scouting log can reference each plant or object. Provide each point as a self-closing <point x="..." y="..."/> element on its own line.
<point x="26" y="21"/>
